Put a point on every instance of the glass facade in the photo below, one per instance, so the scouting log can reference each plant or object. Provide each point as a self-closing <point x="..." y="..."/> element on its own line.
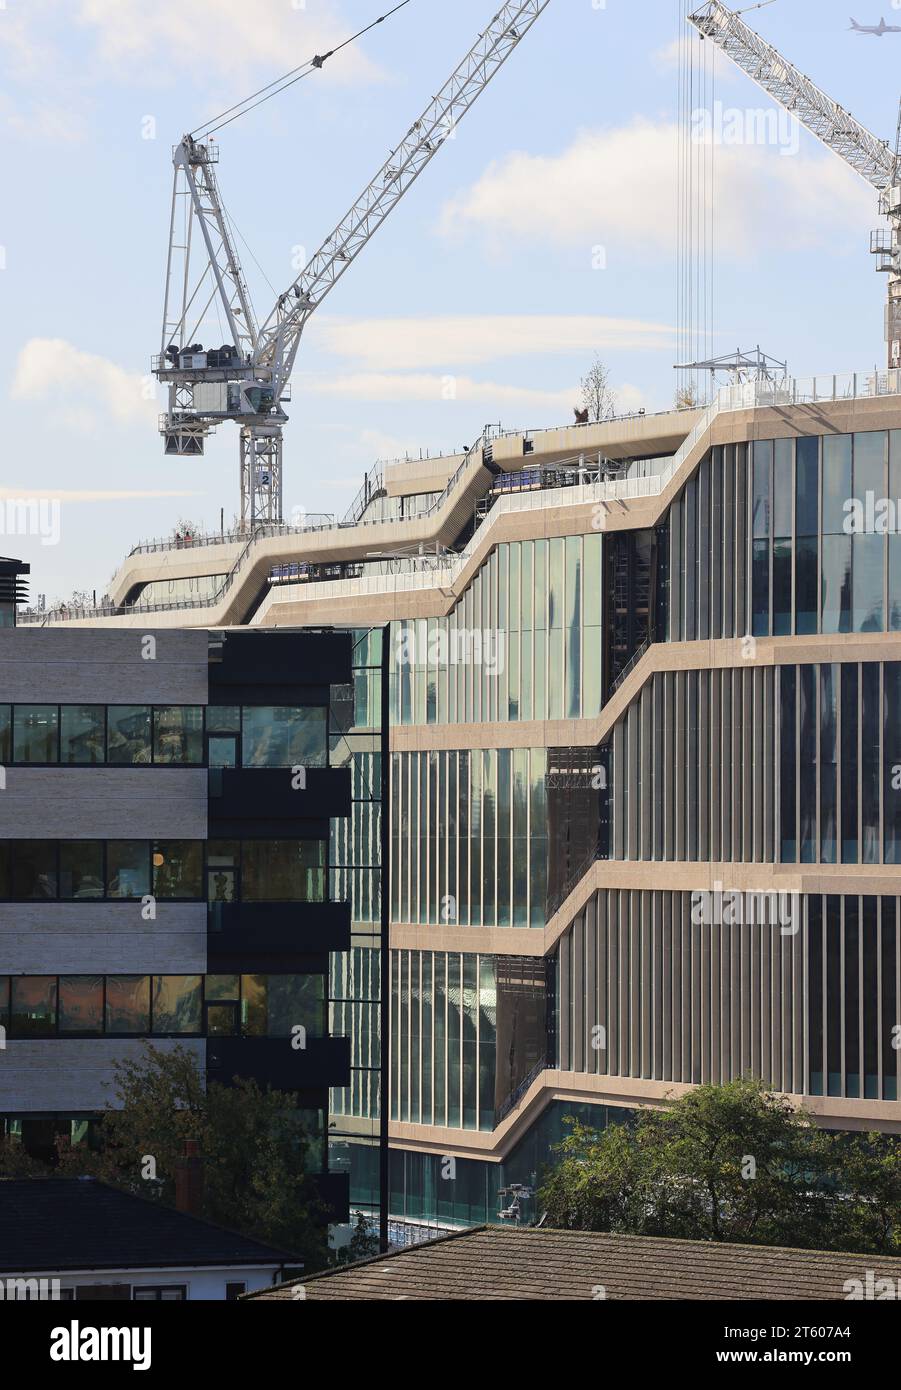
<point x="163" y="735"/>
<point x="355" y="976"/>
<point x="470" y="837"/>
<point x="270" y="1006"/>
<point x="239" y="871"/>
<point x="524" y="641"/>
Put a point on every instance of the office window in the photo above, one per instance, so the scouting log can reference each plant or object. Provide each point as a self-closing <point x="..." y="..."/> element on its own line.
<point x="178" y="734"/>
<point x="35" y="733"/>
<point x="34" y="870"/>
<point x="5" y="733"/>
<point x="223" y="719"/>
<point x="33" y="1012"/>
<point x="274" y="1005"/>
<point x="836" y="482"/>
<point x="177" y="1003"/>
<point x="127" y="869"/>
<point x="867" y="576"/>
<point x="178" y="869"/>
<point x="836" y="584"/>
<point x="128" y="734"/>
<point x="81" y="1003"/>
<point x="82" y="734"/>
<point x="128" y="1004"/>
<point x="283" y="871"/>
<point x="284" y="736"/>
<point x="222" y="987"/>
<point x="869" y="465"/>
<point x="81" y="869"/>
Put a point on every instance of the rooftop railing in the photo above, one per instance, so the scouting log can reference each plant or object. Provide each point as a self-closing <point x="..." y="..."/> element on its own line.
<point x="743" y="396"/>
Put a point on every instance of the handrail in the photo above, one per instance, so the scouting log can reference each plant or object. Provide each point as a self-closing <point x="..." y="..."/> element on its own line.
<point x="631" y="664"/>
<point x="515" y="1096"/>
<point x="744" y="396"/>
<point x="573" y="879"/>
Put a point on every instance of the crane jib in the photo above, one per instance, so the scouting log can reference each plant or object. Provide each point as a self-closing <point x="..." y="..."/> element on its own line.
<point x="247" y="379"/>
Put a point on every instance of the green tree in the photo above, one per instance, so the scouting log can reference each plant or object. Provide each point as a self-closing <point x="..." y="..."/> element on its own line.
<point x="729" y="1163"/>
<point x="865" y="1172"/>
<point x="252" y="1143"/>
<point x="16" y="1163"/>
<point x="364" y="1243"/>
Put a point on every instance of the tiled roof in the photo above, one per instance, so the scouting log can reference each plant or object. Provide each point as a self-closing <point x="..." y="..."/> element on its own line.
<point x="494" y="1263"/>
<point x="79" y="1223"/>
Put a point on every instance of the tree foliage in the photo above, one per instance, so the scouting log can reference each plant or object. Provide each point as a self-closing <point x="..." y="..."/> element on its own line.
<point x="730" y="1163"/>
<point x="251" y="1141"/>
<point x="597" y="397"/>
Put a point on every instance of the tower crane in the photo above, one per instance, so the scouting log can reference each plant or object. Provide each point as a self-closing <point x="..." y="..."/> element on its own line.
<point x="873" y="159"/>
<point x="248" y="379"/>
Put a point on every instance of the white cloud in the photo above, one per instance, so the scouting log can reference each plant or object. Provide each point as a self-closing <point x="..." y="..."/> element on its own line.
<point x="86" y="388"/>
<point x="437" y="390"/>
<point x="619" y="187"/>
<point x="223" y="36"/>
<point x="465" y="340"/>
<point x="668" y="58"/>
<point x="216" y="50"/>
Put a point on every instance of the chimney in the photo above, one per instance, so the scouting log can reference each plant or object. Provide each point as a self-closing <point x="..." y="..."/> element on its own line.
<point x="189" y="1181"/>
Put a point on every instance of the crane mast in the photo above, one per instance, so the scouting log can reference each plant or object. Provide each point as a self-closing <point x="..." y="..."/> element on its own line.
<point x="873" y="159"/>
<point x="248" y="378"/>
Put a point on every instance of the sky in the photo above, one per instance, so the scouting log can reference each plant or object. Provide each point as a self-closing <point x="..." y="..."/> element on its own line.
<point x="543" y="233"/>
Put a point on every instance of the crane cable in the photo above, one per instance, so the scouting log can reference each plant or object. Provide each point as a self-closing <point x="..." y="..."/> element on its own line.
<point x="281" y="84"/>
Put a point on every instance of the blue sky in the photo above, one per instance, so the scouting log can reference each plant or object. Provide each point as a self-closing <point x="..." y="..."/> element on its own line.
<point x="485" y="274"/>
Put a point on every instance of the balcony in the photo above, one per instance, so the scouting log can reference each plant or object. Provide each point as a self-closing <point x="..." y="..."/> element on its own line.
<point x="276" y="801"/>
<point x="276" y="1062"/>
<point x="258" y="937"/>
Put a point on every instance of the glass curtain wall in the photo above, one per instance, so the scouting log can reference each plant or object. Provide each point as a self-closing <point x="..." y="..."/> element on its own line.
<point x="524" y="641"/>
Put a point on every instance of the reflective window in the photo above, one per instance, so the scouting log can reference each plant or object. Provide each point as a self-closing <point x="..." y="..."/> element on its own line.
<point x="33" y="1011"/>
<point x="178" y="734"/>
<point x="127" y="869"/>
<point x="836" y="482"/>
<point x="35" y="733"/>
<point x="867" y="572"/>
<point x="836" y="584"/>
<point x="82" y="734"/>
<point x="177" y="869"/>
<point x="81" y="1003"/>
<point x="128" y="1004"/>
<point x="283" y="871"/>
<point x="807" y="486"/>
<point x="760" y="484"/>
<point x="284" y="736"/>
<point x="81" y="869"/>
<point x="223" y="719"/>
<point x="34" y="870"/>
<point x="128" y="734"/>
<point x="177" y="1003"/>
<point x="869" y="465"/>
<point x="274" y="1005"/>
<point x="5" y="733"/>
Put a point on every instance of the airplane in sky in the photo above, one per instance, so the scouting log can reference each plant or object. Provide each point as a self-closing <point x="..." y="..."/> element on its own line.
<point x="877" y="29"/>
